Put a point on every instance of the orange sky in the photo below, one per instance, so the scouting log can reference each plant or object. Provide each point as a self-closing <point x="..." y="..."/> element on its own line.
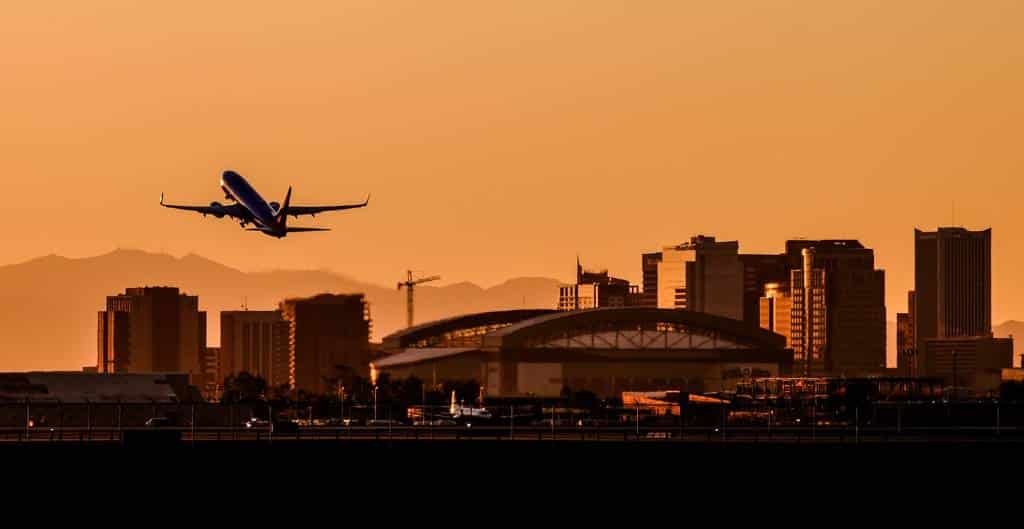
<point x="500" y="139"/>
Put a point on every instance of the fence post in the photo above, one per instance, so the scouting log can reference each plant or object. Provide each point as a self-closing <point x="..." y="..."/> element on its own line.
<point x="856" y="425"/>
<point x="722" y="425"/>
<point x="637" y="421"/>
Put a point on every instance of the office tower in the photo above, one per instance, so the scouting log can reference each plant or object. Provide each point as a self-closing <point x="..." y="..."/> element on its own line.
<point x="952" y="305"/>
<point x="953" y="283"/>
<point x="809" y="322"/>
<point x="855" y="326"/>
<point x="650" y="278"/>
<point x="776" y="312"/>
<point x="906" y="344"/>
<point x="760" y="271"/>
<point x="151" y="329"/>
<point x="703" y="275"/>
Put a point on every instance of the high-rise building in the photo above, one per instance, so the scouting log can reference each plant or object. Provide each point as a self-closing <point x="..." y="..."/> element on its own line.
<point x="776" y="312"/>
<point x="650" y="279"/>
<point x="952" y="309"/>
<point x="809" y="317"/>
<point x="256" y="342"/>
<point x="329" y="340"/>
<point x="953" y="284"/>
<point x="904" y="341"/>
<point x="855" y="294"/>
<point x="596" y="290"/>
<point x="671" y="274"/>
<point x="151" y="330"/>
<point x="703" y="275"/>
<point x="906" y="344"/>
<point x="760" y="271"/>
<point x="210" y="386"/>
<point x="841" y="328"/>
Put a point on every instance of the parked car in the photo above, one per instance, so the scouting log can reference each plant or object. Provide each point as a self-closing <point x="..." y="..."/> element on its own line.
<point x="383" y="422"/>
<point x="256" y="422"/>
<point x="157" y="422"/>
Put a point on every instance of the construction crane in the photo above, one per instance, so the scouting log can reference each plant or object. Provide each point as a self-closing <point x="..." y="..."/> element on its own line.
<point x="409" y="284"/>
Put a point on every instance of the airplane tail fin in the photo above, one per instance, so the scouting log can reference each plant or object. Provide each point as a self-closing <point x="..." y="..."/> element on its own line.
<point x="282" y="214"/>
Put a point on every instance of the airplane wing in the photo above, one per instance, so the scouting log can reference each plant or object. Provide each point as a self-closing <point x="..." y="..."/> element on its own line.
<point x="295" y="211"/>
<point x="215" y="209"/>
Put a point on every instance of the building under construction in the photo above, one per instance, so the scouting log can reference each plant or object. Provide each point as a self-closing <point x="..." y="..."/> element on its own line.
<point x="328" y="340"/>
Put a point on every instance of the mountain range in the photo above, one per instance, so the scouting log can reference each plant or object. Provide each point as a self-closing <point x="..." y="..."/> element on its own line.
<point x="48" y="305"/>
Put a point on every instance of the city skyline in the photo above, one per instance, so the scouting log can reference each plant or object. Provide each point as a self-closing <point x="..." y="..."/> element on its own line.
<point x="793" y="223"/>
<point x="1003" y="308"/>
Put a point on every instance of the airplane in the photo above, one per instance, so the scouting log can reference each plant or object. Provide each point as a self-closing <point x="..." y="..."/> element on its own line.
<point x="467" y="413"/>
<point x="249" y="208"/>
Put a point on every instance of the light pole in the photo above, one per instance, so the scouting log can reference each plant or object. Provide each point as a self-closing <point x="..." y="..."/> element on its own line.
<point x="956" y="379"/>
<point x="374" y="402"/>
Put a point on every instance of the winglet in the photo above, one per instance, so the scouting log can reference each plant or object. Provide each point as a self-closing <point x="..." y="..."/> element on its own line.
<point x="367" y="201"/>
<point x="161" y="198"/>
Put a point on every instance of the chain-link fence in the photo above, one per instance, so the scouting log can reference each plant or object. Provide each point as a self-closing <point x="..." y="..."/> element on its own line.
<point x="724" y="421"/>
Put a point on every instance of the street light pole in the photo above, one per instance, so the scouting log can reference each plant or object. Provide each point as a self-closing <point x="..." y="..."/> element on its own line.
<point x="956" y="378"/>
<point x="374" y="402"/>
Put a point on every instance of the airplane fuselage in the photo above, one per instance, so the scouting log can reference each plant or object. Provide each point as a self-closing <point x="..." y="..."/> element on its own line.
<point x="263" y="215"/>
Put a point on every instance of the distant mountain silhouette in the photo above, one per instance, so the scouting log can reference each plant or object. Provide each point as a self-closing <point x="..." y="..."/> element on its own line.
<point x="48" y="305"/>
<point x="1012" y="328"/>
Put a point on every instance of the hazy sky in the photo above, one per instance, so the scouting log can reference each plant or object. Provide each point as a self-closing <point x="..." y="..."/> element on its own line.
<point x="501" y="138"/>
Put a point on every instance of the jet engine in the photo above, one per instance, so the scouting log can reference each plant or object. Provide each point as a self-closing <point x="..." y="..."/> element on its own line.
<point x="218" y="209"/>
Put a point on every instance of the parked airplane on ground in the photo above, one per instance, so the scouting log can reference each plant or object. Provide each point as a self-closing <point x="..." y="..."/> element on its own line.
<point x="250" y="208"/>
<point x="458" y="411"/>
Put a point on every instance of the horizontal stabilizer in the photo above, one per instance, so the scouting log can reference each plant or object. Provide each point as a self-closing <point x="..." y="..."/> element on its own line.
<point x="289" y="229"/>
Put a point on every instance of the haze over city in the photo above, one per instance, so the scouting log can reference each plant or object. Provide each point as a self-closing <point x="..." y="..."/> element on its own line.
<point x="501" y="141"/>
